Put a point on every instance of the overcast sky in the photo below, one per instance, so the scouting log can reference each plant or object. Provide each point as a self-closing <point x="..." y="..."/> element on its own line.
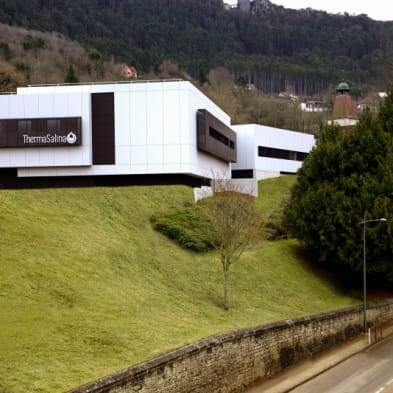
<point x="375" y="9"/>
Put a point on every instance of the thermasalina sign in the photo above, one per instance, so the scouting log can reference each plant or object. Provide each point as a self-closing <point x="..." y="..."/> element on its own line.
<point x="46" y="132"/>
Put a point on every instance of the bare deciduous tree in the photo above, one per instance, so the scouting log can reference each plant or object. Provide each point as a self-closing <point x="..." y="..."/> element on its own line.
<point x="9" y="78"/>
<point x="238" y="228"/>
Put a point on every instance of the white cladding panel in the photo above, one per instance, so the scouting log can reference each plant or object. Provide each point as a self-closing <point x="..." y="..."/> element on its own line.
<point x="16" y="106"/>
<point x="137" y="118"/>
<point x="122" y="119"/>
<point x="155" y="129"/>
<point x="283" y="139"/>
<point x="246" y="146"/>
<point x="277" y="165"/>
<point x="155" y="114"/>
<point x="250" y="136"/>
<point x="46" y="106"/>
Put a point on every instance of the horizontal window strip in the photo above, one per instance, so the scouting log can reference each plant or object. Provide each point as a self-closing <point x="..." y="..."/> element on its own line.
<point x="271" y="152"/>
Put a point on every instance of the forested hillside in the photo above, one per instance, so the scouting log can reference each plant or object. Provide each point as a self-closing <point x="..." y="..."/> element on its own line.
<point x="30" y="56"/>
<point x="34" y="57"/>
<point x="274" y="48"/>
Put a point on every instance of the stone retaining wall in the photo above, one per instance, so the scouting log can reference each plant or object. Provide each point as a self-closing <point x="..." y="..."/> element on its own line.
<point x="228" y="362"/>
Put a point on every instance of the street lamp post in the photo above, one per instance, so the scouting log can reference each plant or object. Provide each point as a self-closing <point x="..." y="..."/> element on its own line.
<point x="364" y="222"/>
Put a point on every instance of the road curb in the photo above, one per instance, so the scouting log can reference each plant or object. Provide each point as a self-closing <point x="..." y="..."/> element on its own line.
<point x="368" y="346"/>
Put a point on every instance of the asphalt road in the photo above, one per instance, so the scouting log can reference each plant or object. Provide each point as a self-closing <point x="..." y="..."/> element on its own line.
<point x="368" y="372"/>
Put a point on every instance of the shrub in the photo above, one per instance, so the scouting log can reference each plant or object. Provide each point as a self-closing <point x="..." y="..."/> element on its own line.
<point x="190" y="227"/>
<point x="9" y="78"/>
<point x="94" y="56"/>
<point x="33" y="43"/>
<point x="275" y="228"/>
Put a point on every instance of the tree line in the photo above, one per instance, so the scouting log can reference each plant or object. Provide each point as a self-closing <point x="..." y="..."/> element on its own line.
<point x="276" y="50"/>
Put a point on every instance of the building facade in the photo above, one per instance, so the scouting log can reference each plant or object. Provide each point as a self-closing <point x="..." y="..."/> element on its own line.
<point x="136" y="132"/>
<point x="268" y="152"/>
<point x="111" y="129"/>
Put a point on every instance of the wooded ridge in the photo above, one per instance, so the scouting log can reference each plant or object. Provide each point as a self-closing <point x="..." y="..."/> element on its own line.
<point x="274" y="48"/>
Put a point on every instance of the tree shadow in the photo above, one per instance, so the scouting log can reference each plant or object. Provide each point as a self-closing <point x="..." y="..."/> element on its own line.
<point x="337" y="276"/>
<point x="343" y="280"/>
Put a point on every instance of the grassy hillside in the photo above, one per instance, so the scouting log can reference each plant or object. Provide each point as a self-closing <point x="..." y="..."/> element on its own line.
<point x="271" y="192"/>
<point x="87" y="287"/>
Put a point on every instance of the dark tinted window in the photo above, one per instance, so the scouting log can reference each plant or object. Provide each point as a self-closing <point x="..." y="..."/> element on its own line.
<point x="221" y="138"/>
<point x="272" y="152"/>
<point x="103" y="128"/>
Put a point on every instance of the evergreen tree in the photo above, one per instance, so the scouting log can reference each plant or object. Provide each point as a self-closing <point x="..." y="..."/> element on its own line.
<point x="71" y="76"/>
<point x="385" y="112"/>
<point x="202" y="77"/>
<point x="348" y="174"/>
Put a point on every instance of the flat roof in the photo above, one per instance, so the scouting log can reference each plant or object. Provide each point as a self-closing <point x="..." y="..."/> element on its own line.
<point x="93" y="84"/>
<point x="107" y="82"/>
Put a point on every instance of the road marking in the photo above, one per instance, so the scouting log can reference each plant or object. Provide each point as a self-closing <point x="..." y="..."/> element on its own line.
<point x="380" y="390"/>
<point x="390" y="382"/>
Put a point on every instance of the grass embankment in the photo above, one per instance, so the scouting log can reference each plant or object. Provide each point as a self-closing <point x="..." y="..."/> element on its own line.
<point x="88" y="287"/>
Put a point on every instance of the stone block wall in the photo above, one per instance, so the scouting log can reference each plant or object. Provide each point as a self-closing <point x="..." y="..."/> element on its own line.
<point x="229" y="362"/>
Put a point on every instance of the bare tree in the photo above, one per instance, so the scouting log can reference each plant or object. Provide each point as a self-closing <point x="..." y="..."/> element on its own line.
<point x="238" y="228"/>
<point x="9" y="78"/>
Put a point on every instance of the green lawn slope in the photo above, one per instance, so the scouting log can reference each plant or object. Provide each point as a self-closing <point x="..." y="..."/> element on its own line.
<point x="271" y="192"/>
<point x="87" y="287"/>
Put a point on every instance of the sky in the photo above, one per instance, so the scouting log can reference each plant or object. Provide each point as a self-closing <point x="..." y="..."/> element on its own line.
<point x="375" y="9"/>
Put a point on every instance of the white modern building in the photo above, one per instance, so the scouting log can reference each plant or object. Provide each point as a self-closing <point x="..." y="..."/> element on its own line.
<point x="139" y="132"/>
<point x="264" y="152"/>
<point x="113" y="129"/>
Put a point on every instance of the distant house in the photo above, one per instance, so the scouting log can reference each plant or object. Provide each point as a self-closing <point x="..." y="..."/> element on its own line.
<point x="130" y="72"/>
<point x="370" y="102"/>
<point x="312" y="106"/>
<point x="251" y="87"/>
<point x="366" y="104"/>
<point x="289" y="95"/>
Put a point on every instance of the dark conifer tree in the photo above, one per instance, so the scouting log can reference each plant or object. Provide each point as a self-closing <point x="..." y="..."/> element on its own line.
<point x="348" y="176"/>
<point x="71" y="76"/>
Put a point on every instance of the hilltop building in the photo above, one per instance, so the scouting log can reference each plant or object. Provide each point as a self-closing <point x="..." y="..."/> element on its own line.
<point x="258" y="7"/>
<point x="344" y="112"/>
<point x="244" y="5"/>
<point x="134" y="132"/>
